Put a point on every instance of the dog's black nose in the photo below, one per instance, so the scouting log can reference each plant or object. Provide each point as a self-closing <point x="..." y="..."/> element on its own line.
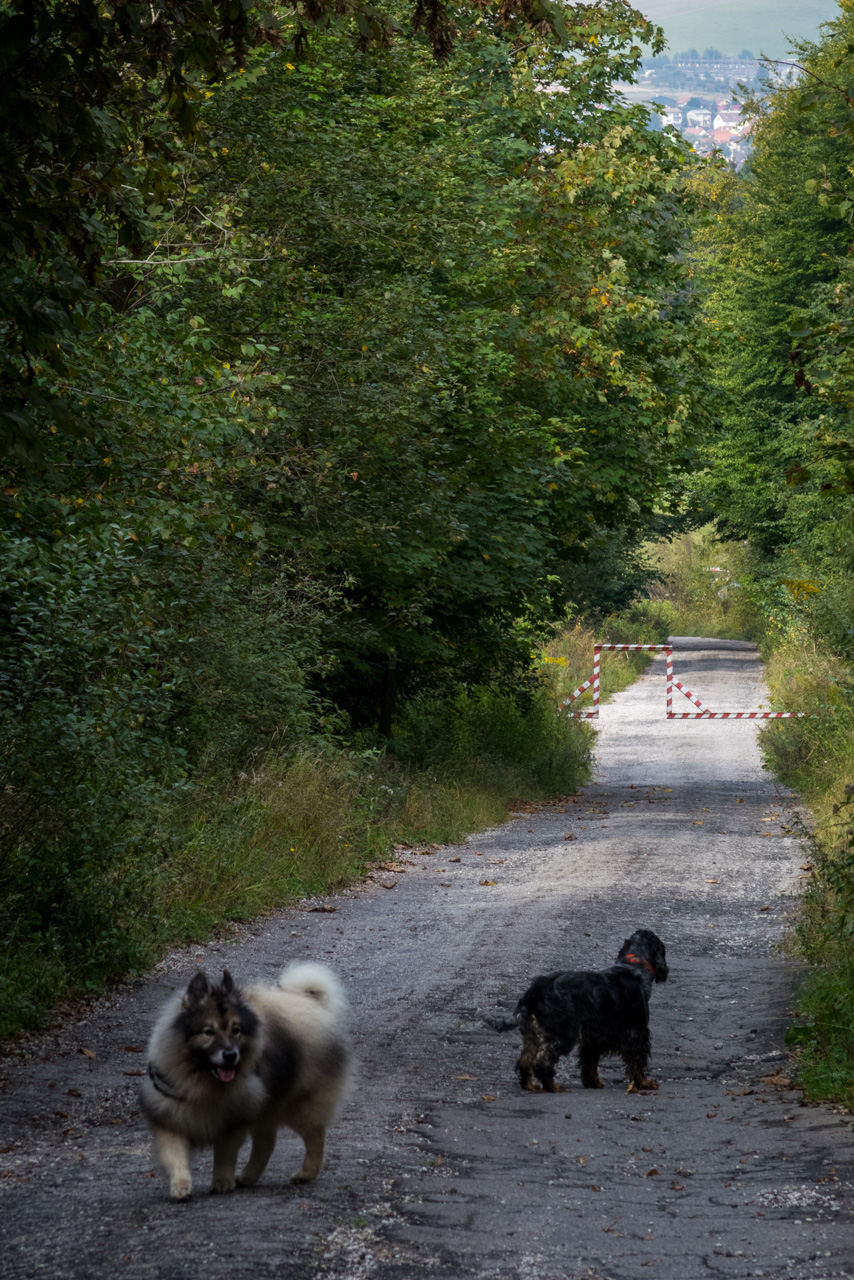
<point x="229" y="1057"/>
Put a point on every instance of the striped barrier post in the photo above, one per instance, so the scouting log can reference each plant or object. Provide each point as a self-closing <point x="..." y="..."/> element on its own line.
<point x="595" y="681"/>
<point x="703" y="713"/>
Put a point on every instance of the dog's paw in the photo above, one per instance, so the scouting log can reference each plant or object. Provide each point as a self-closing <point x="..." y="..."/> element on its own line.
<point x="245" y="1179"/>
<point x="642" y="1086"/>
<point x="304" y="1175"/>
<point x="221" y="1186"/>
<point x="180" y="1189"/>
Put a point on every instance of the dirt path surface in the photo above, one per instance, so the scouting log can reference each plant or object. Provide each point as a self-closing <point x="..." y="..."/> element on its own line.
<point x="440" y="1166"/>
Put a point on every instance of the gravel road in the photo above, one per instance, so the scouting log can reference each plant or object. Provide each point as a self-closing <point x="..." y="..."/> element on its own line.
<point x="440" y="1166"/>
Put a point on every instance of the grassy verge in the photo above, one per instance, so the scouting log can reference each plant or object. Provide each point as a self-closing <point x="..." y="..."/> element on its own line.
<point x="816" y="757"/>
<point x="230" y="848"/>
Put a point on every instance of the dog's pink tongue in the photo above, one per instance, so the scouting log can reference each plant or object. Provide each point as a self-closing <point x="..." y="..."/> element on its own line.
<point x="226" y="1074"/>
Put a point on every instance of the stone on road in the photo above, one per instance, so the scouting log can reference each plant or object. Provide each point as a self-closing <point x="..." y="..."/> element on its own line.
<point x="439" y="1165"/>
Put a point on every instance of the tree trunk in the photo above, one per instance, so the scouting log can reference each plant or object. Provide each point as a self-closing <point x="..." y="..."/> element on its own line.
<point x="387" y="697"/>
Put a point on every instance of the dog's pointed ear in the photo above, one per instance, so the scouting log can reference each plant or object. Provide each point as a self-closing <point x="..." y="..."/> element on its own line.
<point x="197" y="990"/>
<point x="227" y="983"/>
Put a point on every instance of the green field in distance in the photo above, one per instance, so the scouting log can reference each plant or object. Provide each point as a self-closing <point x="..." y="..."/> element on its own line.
<point x="732" y="25"/>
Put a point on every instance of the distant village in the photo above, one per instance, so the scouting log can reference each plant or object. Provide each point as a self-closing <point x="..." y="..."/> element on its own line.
<point x="710" y="126"/>
<point x="693" y="93"/>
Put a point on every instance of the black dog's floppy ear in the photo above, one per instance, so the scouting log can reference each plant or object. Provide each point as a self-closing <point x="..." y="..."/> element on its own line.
<point x="197" y="990"/>
<point x="659" y="959"/>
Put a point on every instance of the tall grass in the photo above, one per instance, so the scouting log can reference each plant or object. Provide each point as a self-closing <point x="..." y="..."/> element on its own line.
<point x="816" y="757"/>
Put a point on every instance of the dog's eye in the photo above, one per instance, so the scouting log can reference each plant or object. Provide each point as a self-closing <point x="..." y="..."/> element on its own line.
<point x="236" y="1029"/>
<point x="209" y="1031"/>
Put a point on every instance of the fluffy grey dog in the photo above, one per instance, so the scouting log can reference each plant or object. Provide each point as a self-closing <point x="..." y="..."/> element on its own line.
<point x="225" y="1063"/>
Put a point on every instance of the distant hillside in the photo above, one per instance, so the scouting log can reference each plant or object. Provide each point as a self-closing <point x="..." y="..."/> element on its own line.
<point x="732" y="25"/>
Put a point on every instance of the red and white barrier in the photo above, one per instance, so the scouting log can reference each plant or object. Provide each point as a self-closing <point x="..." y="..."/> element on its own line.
<point x="702" y="714"/>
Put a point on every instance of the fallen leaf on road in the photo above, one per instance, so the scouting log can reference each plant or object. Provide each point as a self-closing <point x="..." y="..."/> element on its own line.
<point x="711" y="882"/>
<point x="779" y="1080"/>
<point x="595" y="1188"/>
<point x="466" y="1077"/>
<point x="698" y="824"/>
<point x="570" y="837"/>
<point x="765" y="908"/>
<point x="677" y="1186"/>
<point x="87" y="1052"/>
<point x="487" y="882"/>
<point x="322" y="910"/>
<point x="651" y="1173"/>
<point x="444" y="884"/>
<point x="454" y="859"/>
<point x="488" y="1097"/>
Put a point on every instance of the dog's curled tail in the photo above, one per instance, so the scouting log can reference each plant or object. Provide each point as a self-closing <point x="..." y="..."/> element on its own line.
<point x="305" y="978"/>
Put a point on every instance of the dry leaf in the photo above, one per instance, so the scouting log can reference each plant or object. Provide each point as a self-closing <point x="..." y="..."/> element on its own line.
<point x="570" y="836"/>
<point x="487" y="882"/>
<point x="698" y="824"/>
<point x="466" y="1077"/>
<point x="766" y="908"/>
<point x="87" y="1052"/>
<point x="711" y="882"/>
<point x="454" y="859"/>
<point x="325" y="910"/>
<point x="488" y="1097"/>
<point x="652" y="1173"/>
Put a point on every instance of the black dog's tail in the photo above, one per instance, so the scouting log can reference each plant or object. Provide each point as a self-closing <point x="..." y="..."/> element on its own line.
<point x="504" y="1024"/>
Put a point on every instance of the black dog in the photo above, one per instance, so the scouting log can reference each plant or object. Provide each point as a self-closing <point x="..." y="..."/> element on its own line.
<point x="602" y="1013"/>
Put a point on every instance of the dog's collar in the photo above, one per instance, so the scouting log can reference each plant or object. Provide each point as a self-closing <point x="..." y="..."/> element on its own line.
<point x="164" y="1086"/>
<point x="631" y="958"/>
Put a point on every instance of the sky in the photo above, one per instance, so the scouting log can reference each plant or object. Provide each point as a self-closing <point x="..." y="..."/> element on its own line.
<point x="733" y="25"/>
